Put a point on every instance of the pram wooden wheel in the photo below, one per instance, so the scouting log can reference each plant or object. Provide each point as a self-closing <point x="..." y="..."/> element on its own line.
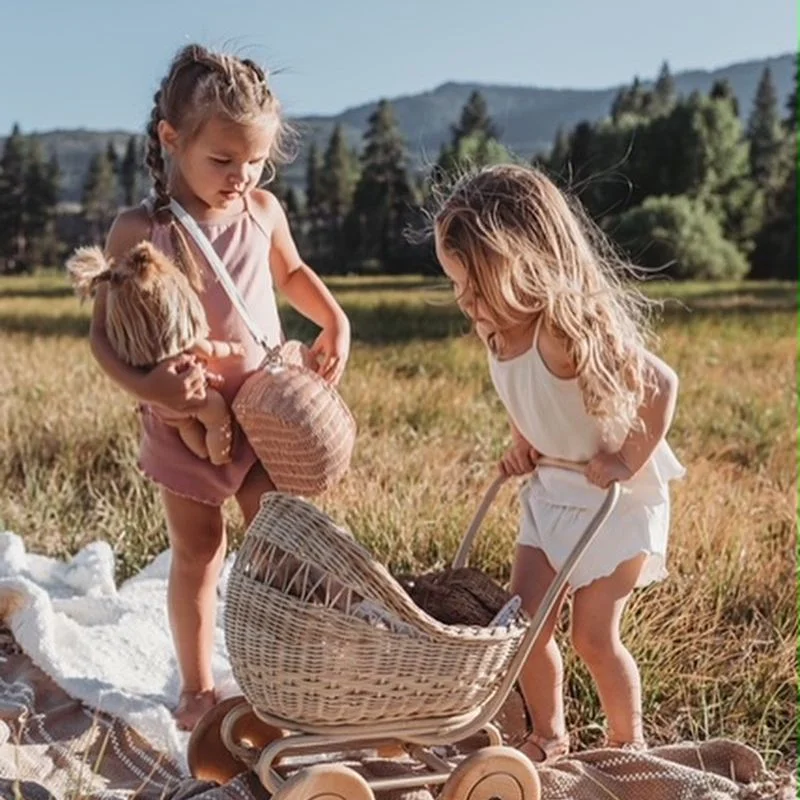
<point x="325" y="782"/>
<point x="493" y="773"/>
<point x="210" y="758"/>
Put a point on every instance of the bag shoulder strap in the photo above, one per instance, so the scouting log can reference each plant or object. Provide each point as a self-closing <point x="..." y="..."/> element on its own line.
<point x="215" y="262"/>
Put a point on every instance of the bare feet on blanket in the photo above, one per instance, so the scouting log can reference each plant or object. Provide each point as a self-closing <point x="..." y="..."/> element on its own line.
<point x="192" y="706"/>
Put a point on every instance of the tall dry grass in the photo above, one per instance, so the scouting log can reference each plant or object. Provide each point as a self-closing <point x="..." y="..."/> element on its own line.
<point x="716" y="642"/>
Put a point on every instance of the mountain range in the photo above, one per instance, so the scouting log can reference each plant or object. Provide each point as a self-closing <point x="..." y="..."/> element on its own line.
<point x="527" y="117"/>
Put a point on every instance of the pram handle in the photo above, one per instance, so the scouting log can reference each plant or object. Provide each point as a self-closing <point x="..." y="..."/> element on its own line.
<point x="490" y="710"/>
<point x="464" y="549"/>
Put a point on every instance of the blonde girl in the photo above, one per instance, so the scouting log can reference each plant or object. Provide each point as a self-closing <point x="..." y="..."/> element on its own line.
<point x="567" y="356"/>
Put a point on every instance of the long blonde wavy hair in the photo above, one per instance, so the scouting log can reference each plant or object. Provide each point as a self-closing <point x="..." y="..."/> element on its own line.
<point x="529" y="251"/>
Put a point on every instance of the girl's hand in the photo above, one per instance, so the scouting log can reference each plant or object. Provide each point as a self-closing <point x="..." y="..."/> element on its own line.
<point x="519" y="459"/>
<point x="605" y="468"/>
<point x="178" y="383"/>
<point x="331" y="350"/>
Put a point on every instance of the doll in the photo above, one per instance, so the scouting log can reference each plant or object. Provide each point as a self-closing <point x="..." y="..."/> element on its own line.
<point x="152" y="314"/>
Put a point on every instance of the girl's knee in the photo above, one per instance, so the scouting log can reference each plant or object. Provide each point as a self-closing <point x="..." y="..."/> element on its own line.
<point x="594" y="643"/>
<point x="545" y="645"/>
<point x="198" y="545"/>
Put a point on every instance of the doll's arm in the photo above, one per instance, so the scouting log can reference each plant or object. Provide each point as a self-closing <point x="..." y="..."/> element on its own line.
<point x="212" y="348"/>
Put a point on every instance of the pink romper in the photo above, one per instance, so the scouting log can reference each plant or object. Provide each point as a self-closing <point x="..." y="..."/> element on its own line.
<point x="243" y="245"/>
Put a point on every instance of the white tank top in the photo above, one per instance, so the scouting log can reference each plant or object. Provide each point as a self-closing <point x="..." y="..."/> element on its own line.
<point x="550" y="413"/>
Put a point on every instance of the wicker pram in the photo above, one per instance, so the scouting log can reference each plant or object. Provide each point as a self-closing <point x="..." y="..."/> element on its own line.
<point x="326" y="644"/>
<point x="302" y="646"/>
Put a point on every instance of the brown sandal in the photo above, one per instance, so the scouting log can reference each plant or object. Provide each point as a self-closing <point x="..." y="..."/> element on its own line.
<point x="636" y="746"/>
<point x="545" y="751"/>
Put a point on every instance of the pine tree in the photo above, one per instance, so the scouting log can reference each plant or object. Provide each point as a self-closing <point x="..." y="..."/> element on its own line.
<point x="580" y="145"/>
<point x="313" y="181"/>
<point x="665" y="92"/>
<point x="113" y="158"/>
<point x="129" y="171"/>
<point x="791" y="103"/>
<point x="13" y="174"/>
<point x="474" y="141"/>
<point x="723" y="90"/>
<point x="339" y="176"/>
<point x="710" y="162"/>
<point x="559" y="153"/>
<point x="619" y="103"/>
<point x="474" y="119"/>
<point x="292" y="204"/>
<point x="384" y="195"/>
<point x="629" y="100"/>
<point x="776" y="254"/>
<point x="99" y="194"/>
<point x="313" y="200"/>
<point x="116" y="168"/>
<point x="764" y="132"/>
<point x="41" y="198"/>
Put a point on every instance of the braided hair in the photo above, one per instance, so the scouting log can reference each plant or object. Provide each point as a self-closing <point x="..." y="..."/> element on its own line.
<point x="200" y="83"/>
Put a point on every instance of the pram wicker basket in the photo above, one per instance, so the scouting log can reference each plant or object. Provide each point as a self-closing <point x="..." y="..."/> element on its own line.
<point x="297" y="424"/>
<point x="302" y="649"/>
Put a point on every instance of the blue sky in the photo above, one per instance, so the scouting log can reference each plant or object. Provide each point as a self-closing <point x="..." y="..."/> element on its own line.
<point x="96" y="63"/>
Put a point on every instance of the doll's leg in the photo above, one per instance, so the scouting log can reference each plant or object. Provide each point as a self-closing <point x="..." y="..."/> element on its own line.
<point x="193" y="435"/>
<point x="215" y="417"/>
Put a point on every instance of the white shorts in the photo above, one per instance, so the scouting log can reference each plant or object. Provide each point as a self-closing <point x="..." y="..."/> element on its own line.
<point x="634" y="527"/>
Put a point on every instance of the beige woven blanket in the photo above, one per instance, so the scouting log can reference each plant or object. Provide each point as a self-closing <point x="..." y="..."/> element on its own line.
<point x="52" y="746"/>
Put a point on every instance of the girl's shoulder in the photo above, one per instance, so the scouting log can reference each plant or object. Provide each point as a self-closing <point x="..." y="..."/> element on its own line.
<point x="130" y="226"/>
<point x="266" y="207"/>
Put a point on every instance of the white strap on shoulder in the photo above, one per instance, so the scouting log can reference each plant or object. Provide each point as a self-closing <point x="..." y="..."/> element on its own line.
<point x="215" y="262"/>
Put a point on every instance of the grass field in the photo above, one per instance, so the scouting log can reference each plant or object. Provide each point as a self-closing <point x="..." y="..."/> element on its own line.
<point x="716" y="642"/>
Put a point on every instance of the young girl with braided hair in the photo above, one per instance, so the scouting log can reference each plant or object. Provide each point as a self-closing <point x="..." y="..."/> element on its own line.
<point x="214" y="127"/>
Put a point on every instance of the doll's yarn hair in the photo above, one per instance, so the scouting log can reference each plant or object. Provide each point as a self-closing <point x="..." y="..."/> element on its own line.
<point x="152" y="311"/>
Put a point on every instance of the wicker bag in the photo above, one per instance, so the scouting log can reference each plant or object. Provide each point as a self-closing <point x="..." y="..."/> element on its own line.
<point x="296" y="422"/>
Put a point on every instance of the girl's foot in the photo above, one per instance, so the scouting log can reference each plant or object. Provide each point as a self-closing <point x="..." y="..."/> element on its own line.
<point x="545" y="751"/>
<point x="192" y="706"/>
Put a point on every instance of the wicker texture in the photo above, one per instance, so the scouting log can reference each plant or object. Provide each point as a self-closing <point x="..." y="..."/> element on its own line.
<point x="300" y="650"/>
<point x="467" y="596"/>
<point x="297" y="423"/>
